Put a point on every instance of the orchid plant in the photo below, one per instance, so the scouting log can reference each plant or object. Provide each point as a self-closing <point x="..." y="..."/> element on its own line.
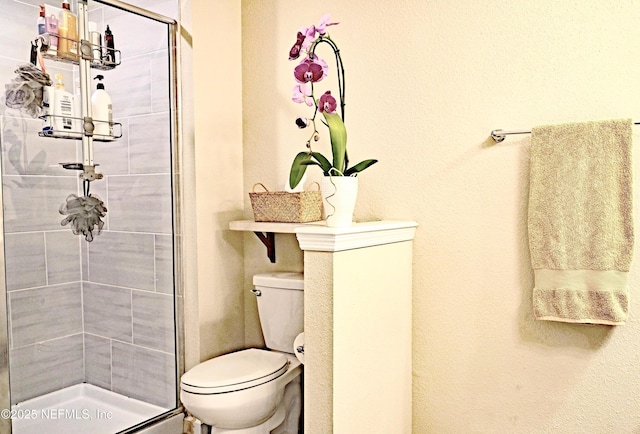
<point x="311" y="70"/>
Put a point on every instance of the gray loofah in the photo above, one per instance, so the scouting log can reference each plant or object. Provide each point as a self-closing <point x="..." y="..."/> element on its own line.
<point x="85" y="215"/>
<point x="25" y="91"/>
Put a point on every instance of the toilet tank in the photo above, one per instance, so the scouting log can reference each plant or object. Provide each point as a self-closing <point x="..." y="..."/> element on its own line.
<point x="280" y="307"/>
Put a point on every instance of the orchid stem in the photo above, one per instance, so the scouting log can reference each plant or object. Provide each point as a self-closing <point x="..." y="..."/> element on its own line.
<point x="340" y="67"/>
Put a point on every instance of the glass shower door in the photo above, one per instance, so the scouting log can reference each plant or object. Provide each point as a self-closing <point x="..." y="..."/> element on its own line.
<point x="92" y="325"/>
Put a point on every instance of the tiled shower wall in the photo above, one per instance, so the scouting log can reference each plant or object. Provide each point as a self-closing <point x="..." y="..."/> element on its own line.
<point x="99" y="312"/>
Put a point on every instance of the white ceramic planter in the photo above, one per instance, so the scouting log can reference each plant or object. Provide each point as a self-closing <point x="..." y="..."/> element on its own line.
<point x="339" y="194"/>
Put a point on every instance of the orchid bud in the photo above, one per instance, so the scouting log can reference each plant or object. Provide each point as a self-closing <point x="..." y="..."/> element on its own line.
<point x="316" y="137"/>
<point x="302" y="122"/>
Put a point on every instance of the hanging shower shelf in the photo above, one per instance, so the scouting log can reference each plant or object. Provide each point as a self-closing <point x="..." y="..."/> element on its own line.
<point x="86" y="51"/>
<point x="89" y="56"/>
<point x="76" y="133"/>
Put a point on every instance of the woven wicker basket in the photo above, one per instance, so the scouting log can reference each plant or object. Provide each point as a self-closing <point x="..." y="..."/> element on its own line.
<point x="285" y="207"/>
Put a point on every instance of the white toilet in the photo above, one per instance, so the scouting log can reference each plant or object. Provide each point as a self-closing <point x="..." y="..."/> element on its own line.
<point x="255" y="391"/>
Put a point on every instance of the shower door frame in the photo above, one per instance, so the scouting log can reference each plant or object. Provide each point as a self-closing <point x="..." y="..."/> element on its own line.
<point x="177" y="236"/>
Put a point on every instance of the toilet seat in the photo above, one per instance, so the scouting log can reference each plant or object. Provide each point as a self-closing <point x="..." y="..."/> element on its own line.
<point x="234" y="371"/>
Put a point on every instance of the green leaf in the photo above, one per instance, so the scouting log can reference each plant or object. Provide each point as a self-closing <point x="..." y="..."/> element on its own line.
<point x="338" y="135"/>
<point x="322" y="162"/>
<point x="298" y="167"/>
<point x="360" y="167"/>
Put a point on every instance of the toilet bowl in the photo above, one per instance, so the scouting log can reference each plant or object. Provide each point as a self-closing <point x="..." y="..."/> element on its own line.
<point x="241" y="390"/>
<point x="254" y="391"/>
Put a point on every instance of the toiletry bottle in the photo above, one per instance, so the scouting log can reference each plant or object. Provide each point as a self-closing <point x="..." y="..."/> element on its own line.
<point x="51" y="26"/>
<point x="48" y="102"/>
<point x="101" y="109"/>
<point x="110" y="52"/>
<point x="63" y="109"/>
<point x="95" y="38"/>
<point x="42" y="27"/>
<point x="68" y="27"/>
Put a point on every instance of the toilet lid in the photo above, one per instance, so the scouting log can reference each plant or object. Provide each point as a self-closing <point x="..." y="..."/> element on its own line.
<point x="234" y="371"/>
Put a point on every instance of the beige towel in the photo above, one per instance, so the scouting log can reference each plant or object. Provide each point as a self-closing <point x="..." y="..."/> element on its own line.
<point x="580" y="221"/>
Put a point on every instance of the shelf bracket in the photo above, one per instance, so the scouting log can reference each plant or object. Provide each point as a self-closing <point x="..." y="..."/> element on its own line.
<point x="269" y="240"/>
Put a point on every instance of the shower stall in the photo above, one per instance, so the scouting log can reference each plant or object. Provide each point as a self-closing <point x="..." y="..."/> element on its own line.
<point x="90" y="334"/>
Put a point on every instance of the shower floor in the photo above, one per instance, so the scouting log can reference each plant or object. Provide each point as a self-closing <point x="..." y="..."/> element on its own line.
<point x="80" y="409"/>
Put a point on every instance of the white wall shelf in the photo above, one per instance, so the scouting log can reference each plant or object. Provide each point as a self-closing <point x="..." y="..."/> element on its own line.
<point x="265" y="231"/>
<point x="318" y="236"/>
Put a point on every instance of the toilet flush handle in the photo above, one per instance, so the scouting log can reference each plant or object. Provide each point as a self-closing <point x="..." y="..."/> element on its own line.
<point x="257" y="292"/>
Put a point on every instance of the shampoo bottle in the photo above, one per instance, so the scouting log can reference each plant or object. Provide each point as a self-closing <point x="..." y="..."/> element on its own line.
<point x="63" y="108"/>
<point x="68" y="28"/>
<point x="102" y="110"/>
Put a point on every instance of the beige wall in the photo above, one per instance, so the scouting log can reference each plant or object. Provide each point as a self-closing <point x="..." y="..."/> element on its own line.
<point x="214" y="302"/>
<point x="426" y="83"/>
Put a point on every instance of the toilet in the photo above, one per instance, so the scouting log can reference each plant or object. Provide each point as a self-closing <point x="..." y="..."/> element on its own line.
<point x="255" y="391"/>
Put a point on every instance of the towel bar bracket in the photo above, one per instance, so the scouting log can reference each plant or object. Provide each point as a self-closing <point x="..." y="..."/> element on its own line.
<point x="497" y="136"/>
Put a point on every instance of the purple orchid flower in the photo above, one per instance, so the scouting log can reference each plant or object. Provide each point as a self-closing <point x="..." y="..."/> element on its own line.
<point x="309" y="36"/>
<point x="294" y="53"/>
<point x="302" y="93"/>
<point x="328" y="103"/>
<point x="309" y="71"/>
<point x="321" y="28"/>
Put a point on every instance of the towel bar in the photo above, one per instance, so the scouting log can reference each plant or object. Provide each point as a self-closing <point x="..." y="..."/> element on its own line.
<point x="499" y="135"/>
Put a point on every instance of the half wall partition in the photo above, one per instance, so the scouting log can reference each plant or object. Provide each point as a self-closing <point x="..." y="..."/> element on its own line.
<point x="91" y="336"/>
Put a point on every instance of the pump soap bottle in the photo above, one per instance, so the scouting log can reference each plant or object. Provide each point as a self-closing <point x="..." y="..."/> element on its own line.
<point x="102" y="110"/>
<point x="63" y="109"/>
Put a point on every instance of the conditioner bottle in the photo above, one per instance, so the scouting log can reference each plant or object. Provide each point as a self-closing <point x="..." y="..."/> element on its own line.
<point x="63" y="109"/>
<point x="102" y="111"/>
<point x="68" y="27"/>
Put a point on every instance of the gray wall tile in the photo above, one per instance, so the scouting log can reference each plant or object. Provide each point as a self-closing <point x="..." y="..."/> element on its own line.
<point x="97" y="354"/>
<point x="128" y="28"/>
<point x="130" y="254"/>
<point x="153" y="321"/>
<point x="25" y="153"/>
<point x="63" y="257"/>
<point x="41" y="314"/>
<point x="130" y="87"/>
<point x="32" y="202"/>
<point x="164" y="263"/>
<point x="107" y="311"/>
<point x="150" y="143"/>
<point x="113" y="157"/>
<point x="144" y="374"/>
<point x="45" y="367"/>
<point x="160" y="81"/>
<point x="140" y="203"/>
<point x="25" y="260"/>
